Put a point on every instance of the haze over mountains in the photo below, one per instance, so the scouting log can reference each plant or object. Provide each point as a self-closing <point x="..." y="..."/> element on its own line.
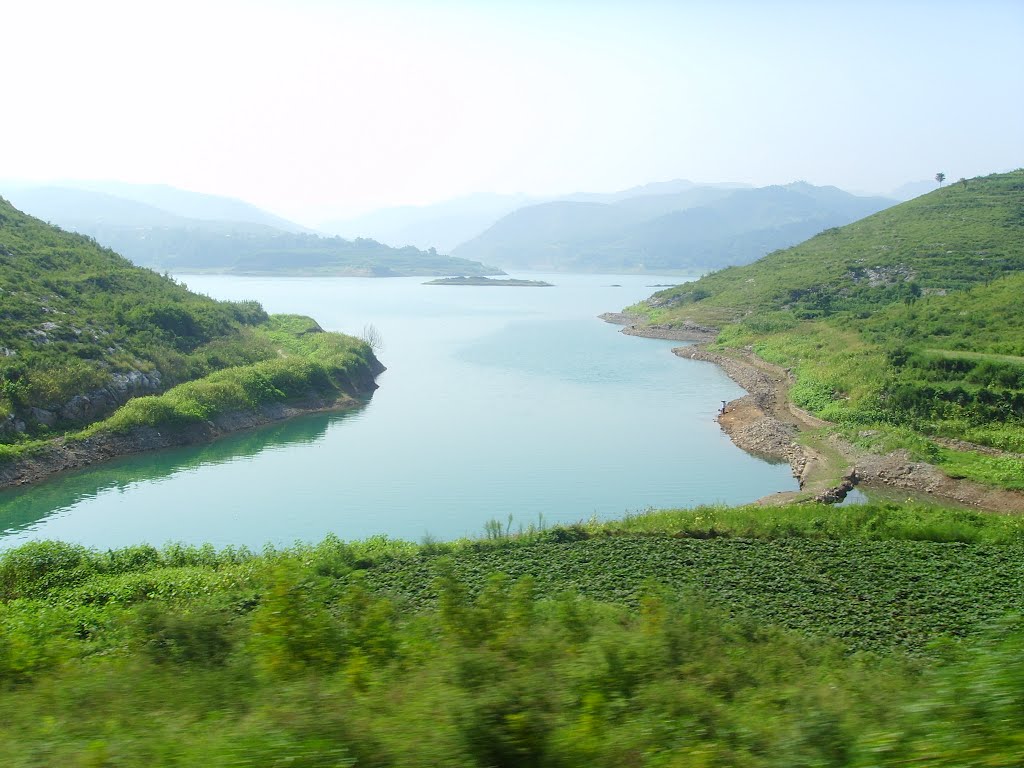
<point x="85" y="202"/>
<point x="676" y="225"/>
<point x="441" y="225"/>
<point x="448" y="224"/>
<point x="171" y="229"/>
<point x="681" y="227"/>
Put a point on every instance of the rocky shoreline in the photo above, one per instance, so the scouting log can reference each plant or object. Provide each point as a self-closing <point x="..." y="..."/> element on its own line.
<point x="749" y="420"/>
<point x="634" y="325"/>
<point x="63" y="454"/>
<point x="765" y="423"/>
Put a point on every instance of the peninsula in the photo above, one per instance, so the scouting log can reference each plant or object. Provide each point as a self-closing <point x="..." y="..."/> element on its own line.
<point x="100" y="358"/>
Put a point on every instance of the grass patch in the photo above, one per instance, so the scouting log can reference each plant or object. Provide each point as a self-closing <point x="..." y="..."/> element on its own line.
<point x="861" y="522"/>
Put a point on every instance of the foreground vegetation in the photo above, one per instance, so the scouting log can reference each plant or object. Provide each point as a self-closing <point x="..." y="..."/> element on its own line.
<point x="905" y="329"/>
<point x="90" y="343"/>
<point x="880" y="635"/>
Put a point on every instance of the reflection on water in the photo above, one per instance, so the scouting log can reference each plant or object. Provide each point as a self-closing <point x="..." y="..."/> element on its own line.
<point x="854" y="497"/>
<point x="22" y="509"/>
<point x="496" y="402"/>
<point x="881" y="494"/>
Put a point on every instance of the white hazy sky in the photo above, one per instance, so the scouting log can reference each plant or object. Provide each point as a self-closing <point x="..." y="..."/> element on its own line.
<point x="312" y="108"/>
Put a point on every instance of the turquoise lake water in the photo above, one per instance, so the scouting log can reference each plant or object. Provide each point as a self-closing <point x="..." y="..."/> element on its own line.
<point x="496" y="402"/>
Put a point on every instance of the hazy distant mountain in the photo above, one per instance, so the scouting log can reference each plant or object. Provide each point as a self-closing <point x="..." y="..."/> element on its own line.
<point x="650" y="205"/>
<point x="191" y="205"/>
<point x="704" y="228"/>
<point x="654" y="189"/>
<point x="446" y="225"/>
<point x="913" y="189"/>
<point x="154" y="237"/>
<point x="441" y="225"/>
<point x="525" y="237"/>
<point x="80" y="209"/>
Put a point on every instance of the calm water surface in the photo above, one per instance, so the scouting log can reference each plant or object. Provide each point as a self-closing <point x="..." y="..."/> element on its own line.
<point x="496" y="402"/>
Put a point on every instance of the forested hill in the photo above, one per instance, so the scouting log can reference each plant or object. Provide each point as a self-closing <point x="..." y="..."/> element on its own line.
<point x="153" y="230"/>
<point x="83" y="331"/>
<point x="906" y="329"/>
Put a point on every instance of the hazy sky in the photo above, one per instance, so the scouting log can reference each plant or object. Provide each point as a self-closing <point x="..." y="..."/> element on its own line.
<point x="313" y="107"/>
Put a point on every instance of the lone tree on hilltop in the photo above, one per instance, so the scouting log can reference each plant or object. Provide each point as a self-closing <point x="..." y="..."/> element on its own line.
<point x="940" y="177"/>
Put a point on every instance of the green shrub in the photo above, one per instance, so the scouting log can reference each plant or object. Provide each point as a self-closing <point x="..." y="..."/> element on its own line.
<point x="198" y="635"/>
<point x="36" y="568"/>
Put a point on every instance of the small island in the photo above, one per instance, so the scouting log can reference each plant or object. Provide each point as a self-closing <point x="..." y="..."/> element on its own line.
<point x="489" y="281"/>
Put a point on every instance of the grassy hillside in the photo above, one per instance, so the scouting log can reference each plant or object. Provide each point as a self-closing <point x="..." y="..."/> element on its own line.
<point x="82" y="332"/>
<point x="955" y="237"/>
<point x="804" y="636"/>
<point x="903" y="327"/>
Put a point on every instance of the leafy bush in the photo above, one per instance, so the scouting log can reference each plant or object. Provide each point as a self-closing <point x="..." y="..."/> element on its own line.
<point x="34" y="569"/>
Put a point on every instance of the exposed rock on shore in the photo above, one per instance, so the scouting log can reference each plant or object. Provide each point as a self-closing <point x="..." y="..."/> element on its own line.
<point x="765" y="423"/>
<point x="634" y="325"/>
<point x="86" y="407"/>
<point x="750" y="420"/>
<point x="838" y="493"/>
<point x="897" y="471"/>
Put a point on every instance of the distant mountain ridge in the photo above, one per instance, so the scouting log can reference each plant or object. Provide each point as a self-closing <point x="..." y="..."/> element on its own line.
<point x="170" y="229"/>
<point x="441" y="225"/>
<point x="688" y="228"/>
<point x="87" y="200"/>
<point x="448" y="224"/>
<point x="951" y="239"/>
<point x="197" y="205"/>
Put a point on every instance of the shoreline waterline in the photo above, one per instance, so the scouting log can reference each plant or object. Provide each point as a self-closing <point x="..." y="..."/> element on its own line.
<point x="494" y="403"/>
<point x="765" y="423"/>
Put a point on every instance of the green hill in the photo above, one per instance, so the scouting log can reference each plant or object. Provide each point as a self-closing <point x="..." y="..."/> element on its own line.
<point x="900" y="328"/>
<point x="84" y="334"/>
<point x="964" y="234"/>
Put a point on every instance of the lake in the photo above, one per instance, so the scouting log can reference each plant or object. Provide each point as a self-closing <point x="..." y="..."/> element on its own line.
<point x="498" y="402"/>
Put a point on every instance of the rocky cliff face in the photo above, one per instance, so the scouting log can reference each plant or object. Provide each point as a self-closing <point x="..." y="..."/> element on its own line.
<point x="84" y="408"/>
